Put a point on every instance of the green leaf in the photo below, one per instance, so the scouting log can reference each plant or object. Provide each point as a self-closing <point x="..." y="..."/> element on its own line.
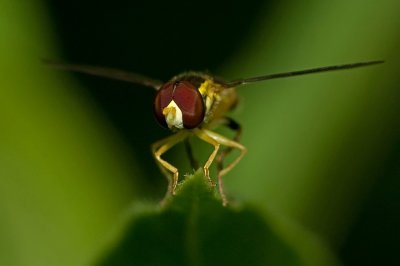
<point x="193" y="228"/>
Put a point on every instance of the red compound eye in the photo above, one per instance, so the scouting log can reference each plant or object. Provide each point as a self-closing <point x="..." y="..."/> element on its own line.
<point x="163" y="98"/>
<point x="186" y="97"/>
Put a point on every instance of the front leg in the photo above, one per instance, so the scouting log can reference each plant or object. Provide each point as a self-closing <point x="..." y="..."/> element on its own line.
<point x="216" y="140"/>
<point x="158" y="149"/>
<point x="201" y="133"/>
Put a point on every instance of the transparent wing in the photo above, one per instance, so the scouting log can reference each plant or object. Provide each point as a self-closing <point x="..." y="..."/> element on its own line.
<point x="239" y="82"/>
<point x="108" y="73"/>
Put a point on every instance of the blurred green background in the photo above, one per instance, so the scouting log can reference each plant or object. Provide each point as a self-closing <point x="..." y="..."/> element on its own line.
<point x="324" y="150"/>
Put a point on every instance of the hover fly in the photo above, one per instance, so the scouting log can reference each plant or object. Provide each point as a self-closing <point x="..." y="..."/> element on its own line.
<point x="193" y="104"/>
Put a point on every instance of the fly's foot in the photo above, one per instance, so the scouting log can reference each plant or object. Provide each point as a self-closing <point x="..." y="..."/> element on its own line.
<point x="207" y="175"/>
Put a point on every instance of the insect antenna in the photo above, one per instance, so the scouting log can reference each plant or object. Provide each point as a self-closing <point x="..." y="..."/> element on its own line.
<point x="106" y="72"/>
<point x="239" y="82"/>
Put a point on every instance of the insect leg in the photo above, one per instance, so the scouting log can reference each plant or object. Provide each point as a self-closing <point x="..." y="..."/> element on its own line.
<point x="233" y="125"/>
<point x="188" y="148"/>
<point x="201" y="133"/>
<point x="158" y="149"/>
<point x="216" y="140"/>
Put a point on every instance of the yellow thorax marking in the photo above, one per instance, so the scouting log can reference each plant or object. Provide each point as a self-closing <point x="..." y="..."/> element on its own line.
<point x="207" y="89"/>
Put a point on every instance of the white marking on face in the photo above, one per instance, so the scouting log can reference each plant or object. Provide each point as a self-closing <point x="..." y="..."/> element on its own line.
<point x="173" y="115"/>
